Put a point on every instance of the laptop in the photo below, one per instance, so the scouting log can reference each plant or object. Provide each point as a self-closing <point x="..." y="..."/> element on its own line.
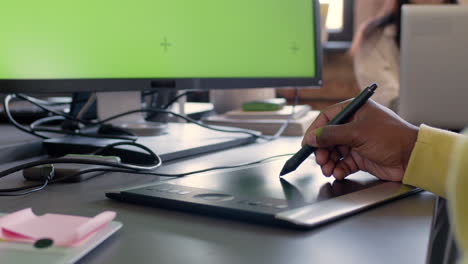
<point x="434" y="65"/>
<point x="302" y="199"/>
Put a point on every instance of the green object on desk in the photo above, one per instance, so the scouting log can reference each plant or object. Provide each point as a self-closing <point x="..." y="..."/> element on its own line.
<point x="274" y="104"/>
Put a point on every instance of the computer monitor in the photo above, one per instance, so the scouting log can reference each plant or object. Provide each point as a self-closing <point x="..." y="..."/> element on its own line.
<point x="102" y="46"/>
<point x="57" y="46"/>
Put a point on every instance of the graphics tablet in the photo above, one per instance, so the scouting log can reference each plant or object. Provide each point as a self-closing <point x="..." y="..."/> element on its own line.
<point x="304" y="198"/>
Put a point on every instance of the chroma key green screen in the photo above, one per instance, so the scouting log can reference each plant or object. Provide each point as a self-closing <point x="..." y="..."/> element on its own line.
<point x="57" y="39"/>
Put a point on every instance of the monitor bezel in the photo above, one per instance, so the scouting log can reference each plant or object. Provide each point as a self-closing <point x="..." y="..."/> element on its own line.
<point x="132" y="84"/>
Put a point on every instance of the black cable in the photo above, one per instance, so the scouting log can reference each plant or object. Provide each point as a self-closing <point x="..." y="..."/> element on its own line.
<point x="126" y="167"/>
<point x="291" y="117"/>
<point x="37" y="187"/>
<point x="115" y="129"/>
<point x="60" y="116"/>
<point x="33" y="130"/>
<point x="45" y="120"/>
<point x="156" y="158"/>
<point x="165" y="111"/>
<point x="166" y="106"/>
<point x="48" y="103"/>
<point x="37" y="103"/>
<point x="66" y="160"/>
<point x="175" y="99"/>
<point x="73" y="133"/>
<point x="21" y="188"/>
<point x="177" y="175"/>
<point x="186" y="118"/>
<point x="148" y="93"/>
<point x="34" y="126"/>
<point x="6" y="103"/>
<point x="27" y="192"/>
<point x="223" y="167"/>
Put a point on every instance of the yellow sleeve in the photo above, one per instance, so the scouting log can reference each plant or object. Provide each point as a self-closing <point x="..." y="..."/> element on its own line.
<point x="439" y="164"/>
<point x="430" y="159"/>
<point x="457" y="185"/>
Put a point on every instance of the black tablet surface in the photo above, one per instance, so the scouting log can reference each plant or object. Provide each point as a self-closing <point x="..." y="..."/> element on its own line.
<point x="304" y="198"/>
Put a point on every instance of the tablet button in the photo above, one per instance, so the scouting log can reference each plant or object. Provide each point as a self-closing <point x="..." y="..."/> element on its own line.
<point x="214" y="197"/>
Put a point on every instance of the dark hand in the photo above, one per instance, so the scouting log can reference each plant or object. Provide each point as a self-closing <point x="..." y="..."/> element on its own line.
<point x="375" y="140"/>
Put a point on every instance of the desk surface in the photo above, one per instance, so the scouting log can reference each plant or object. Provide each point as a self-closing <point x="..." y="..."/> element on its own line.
<point x="11" y="135"/>
<point x="397" y="232"/>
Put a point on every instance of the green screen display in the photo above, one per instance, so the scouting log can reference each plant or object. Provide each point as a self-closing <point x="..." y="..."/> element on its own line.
<point x="57" y="39"/>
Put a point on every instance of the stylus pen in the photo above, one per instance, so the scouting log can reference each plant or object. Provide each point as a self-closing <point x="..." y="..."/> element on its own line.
<point x="340" y="118"/>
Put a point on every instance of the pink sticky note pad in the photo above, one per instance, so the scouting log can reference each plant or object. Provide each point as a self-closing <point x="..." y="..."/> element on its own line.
<point x="64" y="230"/>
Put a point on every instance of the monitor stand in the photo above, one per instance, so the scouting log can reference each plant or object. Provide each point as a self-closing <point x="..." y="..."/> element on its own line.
<point x="169" y="140"/>
<point x="112" y="103"/>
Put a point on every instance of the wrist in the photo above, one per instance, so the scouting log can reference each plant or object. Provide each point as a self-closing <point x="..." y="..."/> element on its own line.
<point x="409" y="143"/>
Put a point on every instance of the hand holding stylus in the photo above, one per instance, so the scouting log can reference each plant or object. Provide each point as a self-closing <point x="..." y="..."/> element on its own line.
<point x="375" y="140"/>
<point x="344" y="114"/>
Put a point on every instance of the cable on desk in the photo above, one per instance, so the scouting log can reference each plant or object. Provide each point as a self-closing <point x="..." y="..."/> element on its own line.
<point x="291" y="117"/>
<point x="87" y="106"/>
<point x="73" y="133"/>
<point x="169" y="104"/>
<point x="14" y="191"/>
<point x="41" y="187"/>
<point x="37" y="103"/>
<point x="178" y="175"/>
<point x="131" y="168"/>
<point x="114" y="167"/>
<point x="45" y="120"/>
<point x="48" y="103"/>
<point x="186" y="118"/>
<point x="156" y="158"/>
<point x="35" y="127"/>
<point x="174" y="100"/>
<point x="123" y="170"/>
<point x="6" y="107"/>
<point x="64" y="160"/>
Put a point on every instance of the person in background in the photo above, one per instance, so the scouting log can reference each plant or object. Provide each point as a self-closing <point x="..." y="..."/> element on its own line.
<point x="376" y="51"/>
<point x="378" y="141"/>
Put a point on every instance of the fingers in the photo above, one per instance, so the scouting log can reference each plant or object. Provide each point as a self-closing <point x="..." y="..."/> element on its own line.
<point x="334" y="135"/>
<point x="321" y="156"/>
<point x="328" y="168"/>
<point x="348" y="159"/>
<point x="337" y="162"/>
<point x="345" y="167"/>
<point x="324" y="117"/>
<point x="327" y="159"/>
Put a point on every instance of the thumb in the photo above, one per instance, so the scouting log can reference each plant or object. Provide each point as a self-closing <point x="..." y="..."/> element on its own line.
<point x="333" y="135"/>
